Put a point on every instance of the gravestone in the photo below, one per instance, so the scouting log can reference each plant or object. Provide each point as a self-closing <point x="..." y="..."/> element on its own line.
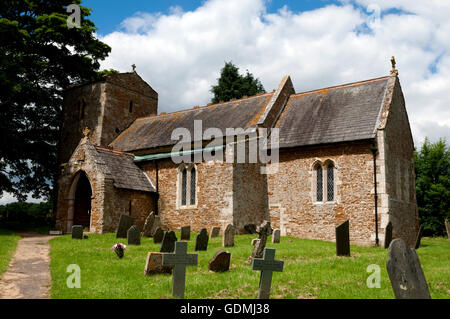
<point x="405" y="273"/>
<point x="267" y="265"/>
<point x="158" y="235"/>
<point x="447" y="226"/>
<point x="148" y="225"/>
<point x="276" y="236"/>
<point x="125" y="222"/>
<point x="186" y="233"/>
<point x="179" y="260"/>
<point x="156" y="225"/>
<point x="419" y="237"/>
<point x="263" y="232"/>
<point x="343" y="239"/>
<point x="168" y="242"/>
<point x="134" y="236"/>
<point x="153" y="265"/>
<point x="254" y="241"/>
<point x="388" y="235"/>
<point x="228" y="236"/>
<point x="250" y="229"/>
<point x="215" y="231"/>
<point x="220" y="262"/>
<point x="77" y="232"/>
<point x="201" y="242"/>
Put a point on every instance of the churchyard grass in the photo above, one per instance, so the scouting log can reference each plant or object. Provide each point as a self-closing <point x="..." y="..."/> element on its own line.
<point x="8" y="244"/>
<point x="311" y="270"/>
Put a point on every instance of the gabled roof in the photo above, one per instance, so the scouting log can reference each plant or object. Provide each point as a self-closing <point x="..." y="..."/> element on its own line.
<point x="343" y="113"/>
<point x="121" y="169"/>
<point x="156" y="131"/>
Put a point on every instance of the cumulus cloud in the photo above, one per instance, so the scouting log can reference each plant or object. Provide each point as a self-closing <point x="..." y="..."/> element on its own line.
<point x="180" y="54"/>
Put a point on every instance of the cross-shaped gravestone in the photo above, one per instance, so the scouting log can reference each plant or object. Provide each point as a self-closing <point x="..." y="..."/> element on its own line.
<point x="179" y="260"/>
<point x="267" y="265"/>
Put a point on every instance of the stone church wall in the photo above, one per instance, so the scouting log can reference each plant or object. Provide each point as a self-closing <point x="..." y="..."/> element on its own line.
<point x="292" y="193"/>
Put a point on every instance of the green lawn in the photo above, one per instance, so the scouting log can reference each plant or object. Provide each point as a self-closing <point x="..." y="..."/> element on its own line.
<point x="311" y="270"/>
<point x="8" y="246"/>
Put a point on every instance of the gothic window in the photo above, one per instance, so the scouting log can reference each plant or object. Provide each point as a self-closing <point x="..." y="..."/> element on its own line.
<point x="188" y="186"/>
<point x="193" y="184"/>
<point x="319" y="184"/>
<point x="183" y="186"/>
<point x="82" y="106"/>
<point x="330" y="183"/>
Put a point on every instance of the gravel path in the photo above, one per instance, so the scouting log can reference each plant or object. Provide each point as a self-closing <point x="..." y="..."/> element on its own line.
<point x="28" y="274"/>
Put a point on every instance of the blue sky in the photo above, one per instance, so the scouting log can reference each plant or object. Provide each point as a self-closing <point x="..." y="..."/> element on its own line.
<point x="108" y="14"/>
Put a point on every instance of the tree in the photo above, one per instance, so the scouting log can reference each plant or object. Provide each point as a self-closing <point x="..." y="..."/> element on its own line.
<point x="432" y="168"/>
<point x="233" y="85"/>
<point x="40" y="55"/>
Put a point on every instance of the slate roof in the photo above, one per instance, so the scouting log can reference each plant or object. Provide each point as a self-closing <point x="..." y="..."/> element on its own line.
<point x="156" y="131"/>
<point x="120" y="167"/>
<point x="337" y="114"/>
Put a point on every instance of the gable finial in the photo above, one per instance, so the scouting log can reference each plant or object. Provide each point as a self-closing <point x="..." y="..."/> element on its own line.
<point x="134" y="67"/>
<point x="394" y="71"/>
<point x="86" y="131"/>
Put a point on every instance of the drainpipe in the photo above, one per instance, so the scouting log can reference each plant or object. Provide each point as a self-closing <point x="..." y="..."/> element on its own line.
<point x="374" y="150"/>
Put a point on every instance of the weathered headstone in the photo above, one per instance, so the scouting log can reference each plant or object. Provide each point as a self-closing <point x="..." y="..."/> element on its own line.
<point x="185" y="233"/>
<point x="419" y="237"/>
<point x="168" y="242"/>
<point x="153" y="265"/>
<point x="125" y="222"/>
<point x="201" y="242"/>
<point x="148" y="225"/>
<point x="158" y="235"/>
<point x="77" y="232"/>
<point x="267" y="265"/>
<point x="220" y="262"/>
<point x="250" y="228"/>
<point x="228" y="236"/>
<point x="263" y="232"/>
<point x="215" y="231"/>
<point x="134" y="236"/>
<point x="447" y="226"/>
<point x="343" y="239"/>
<point x="179" y="260"/>
<point x="276" y="236"/>
<point x="156" y="225"/>
<point x="405" y="273"/>
<point x="388" y="235"/>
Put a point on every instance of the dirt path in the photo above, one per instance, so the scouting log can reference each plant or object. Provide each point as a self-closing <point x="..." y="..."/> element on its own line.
<point x="28" y="274"/>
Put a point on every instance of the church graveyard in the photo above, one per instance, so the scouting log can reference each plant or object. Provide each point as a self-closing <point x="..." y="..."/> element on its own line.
<point x="311" y="269"/>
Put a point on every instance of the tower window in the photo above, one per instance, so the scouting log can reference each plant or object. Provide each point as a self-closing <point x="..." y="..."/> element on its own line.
<point x="82" y="106"/>
<point x="131" y="107"/>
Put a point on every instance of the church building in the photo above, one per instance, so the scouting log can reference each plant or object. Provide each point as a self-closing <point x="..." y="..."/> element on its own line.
<point x="344" y="153"/>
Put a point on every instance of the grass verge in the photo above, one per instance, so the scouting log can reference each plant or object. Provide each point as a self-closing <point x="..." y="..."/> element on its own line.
<point x="8" y="245"/>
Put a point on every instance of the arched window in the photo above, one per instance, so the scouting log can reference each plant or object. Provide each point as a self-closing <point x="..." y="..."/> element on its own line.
<point x="193" y="185"/>
<point x="330" y="182"/>
<point x="183" y="186"/>
<point x="319" y="184"/>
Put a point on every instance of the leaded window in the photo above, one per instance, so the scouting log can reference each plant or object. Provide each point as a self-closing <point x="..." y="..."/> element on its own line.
<point x="330" y="183"/>
<point x="193" y="181"/>
<point x="183" y="186"/>
<point x="319" y="183"/>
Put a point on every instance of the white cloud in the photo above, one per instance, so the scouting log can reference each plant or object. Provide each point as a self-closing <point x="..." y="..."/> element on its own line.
<point x="180" y="54"/>
<point x="7" y="198"/>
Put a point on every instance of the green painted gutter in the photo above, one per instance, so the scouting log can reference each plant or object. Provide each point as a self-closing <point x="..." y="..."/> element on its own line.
<point x="150" y="157"/>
